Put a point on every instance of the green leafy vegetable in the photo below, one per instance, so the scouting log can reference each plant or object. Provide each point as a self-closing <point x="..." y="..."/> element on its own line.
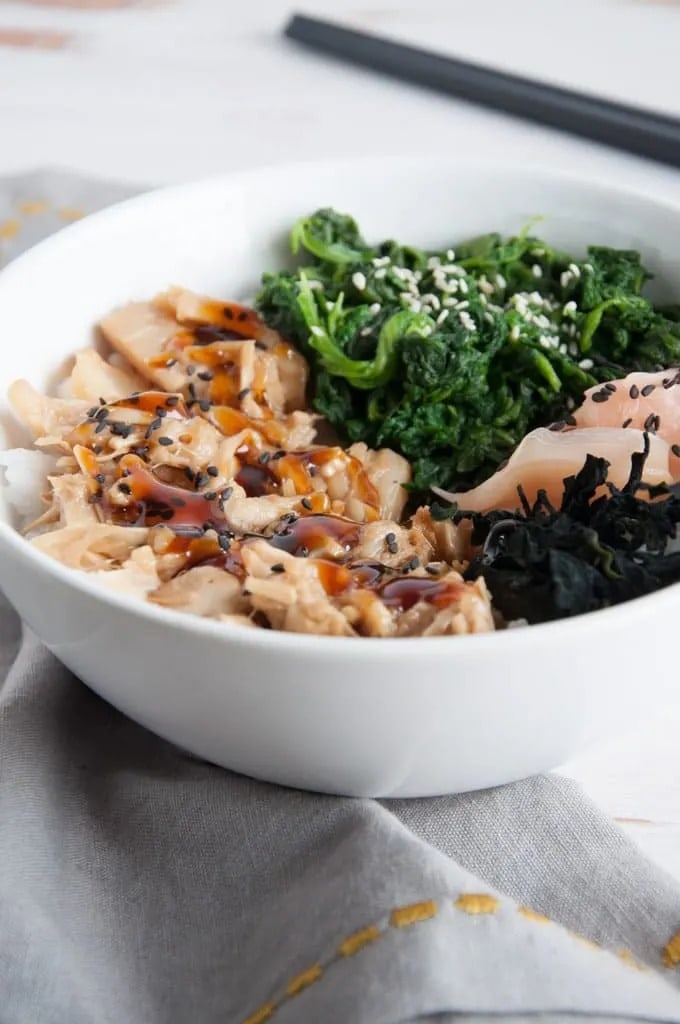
<point x="451" y="357"/>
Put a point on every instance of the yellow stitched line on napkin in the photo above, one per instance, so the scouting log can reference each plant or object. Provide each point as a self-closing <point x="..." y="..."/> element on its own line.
<point x="671" y="952"/>
<point x="11" y="227"/>
<point x="476" y="903"/>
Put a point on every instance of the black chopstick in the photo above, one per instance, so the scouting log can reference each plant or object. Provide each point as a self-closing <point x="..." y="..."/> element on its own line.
<point x="632" y="129"/>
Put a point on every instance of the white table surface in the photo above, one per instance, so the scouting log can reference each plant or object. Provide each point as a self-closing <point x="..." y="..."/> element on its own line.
<point x="154" y="92"/>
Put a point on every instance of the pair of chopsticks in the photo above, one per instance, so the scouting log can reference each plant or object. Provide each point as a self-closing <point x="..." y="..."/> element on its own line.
<point x="632" y="129"/>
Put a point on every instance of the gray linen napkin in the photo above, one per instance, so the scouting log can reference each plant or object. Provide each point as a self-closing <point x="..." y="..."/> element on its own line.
<point x="140" y="886"/>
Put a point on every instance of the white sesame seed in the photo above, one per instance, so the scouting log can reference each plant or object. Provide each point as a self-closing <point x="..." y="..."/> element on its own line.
<point x="463" y="286"/>
<point x="536" y="270"/>
<point x="379" y="274"/>
<point x="589" y="267"/>
<point x="449" y="303"/>
<point x="500" y="281"/>
<point x="570" y="403"/>
<point x="467" y="321"/>
<point x="375" y="308"/>
<point x="573" y="330"/>
<point x="442" y="316"/>
<point x="544" y="342"/>
<point x="485" y="286"/>
<point x="566" y="278"/>
<point x="330" y="306"/>
<point x="359" y="280"/>
<point x="573" y="348"/>
<point x="563" y="349"/>
<point x="575" y="270"/>
<point x="463" y="305"/>
<point x="514" y="333"/>
<point x="569" y="308"/>
<point x="314" y="284"/>
<point x="433" y="262"/>
<point x="488" y="317"/>
<point x="365" y="332"/>
<point x="450" y="255"/>
<point x="381" y="261"/>
<point x="417" y="275"/>
<point x="586" y="364"/>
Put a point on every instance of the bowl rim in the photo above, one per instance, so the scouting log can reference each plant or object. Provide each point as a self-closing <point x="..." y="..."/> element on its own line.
<point x="370" y="647"/>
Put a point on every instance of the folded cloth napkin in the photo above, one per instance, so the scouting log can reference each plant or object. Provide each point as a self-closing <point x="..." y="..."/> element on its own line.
<point x="140" y="886"/>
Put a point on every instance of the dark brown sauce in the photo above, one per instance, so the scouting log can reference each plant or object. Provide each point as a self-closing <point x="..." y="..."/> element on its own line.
<point x="152" y="502"/>
<point x="309" y="535"/>
<point x="151" y="401"/>
<point x="256" y="480"/>
<point x="402" y="594"/>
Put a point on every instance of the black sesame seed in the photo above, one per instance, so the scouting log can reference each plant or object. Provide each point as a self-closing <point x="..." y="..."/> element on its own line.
<point x="97" y="449"/>
<point x="170" y="362"/>
<point x="558" y="425"/>
<point x="189" y="473"/>
<point x="178" y="502"/>
<point x="278" y="567"/>
<point x="306" y="503"/>
<point x="245" y="593"/>
<point x="303" y="551"/>
<point x="649" y="422"/>
<point x="224" y="541"/>
<point x="204" y="405"/>
<point x="675" y="448"/>
<point x="124" y="488"/>
<point x="634" y="391"/>
<point x="229" y="313"/>
<point x="191" y="369"/>
<point x="100" y="426"/>
<point x="264" y="458"/>
<point x="261" y="345"/>
<point x="657" y="423"/>
<point x="94" y="499"/>
<point x="165" y="441"/>
<point x="601" y="396"/>
<point x="191" y="388"/>
<point x="242" y="394"/>
<point x="167" y="514"/>
<point x="432" y="569"/>
<point x="208" y="525"/>
<point x="92" y="412"/>
<point x="102" y="401"/>
<point x="200" y="480"/>
<point x="242" y="316"/>
<point x="120" y="429"/>
<point x="627" y="423"/>
<point x="226" y="494"/>
<point x="100" y="478"/>
<point x="212" y="470"/>
<point x="414" y="563"/>
<point x="647" y="390"/>
<point x="172" y="400"/>
<point x="205" y="375"/>
<point x="311" y="469"/>
<point x="278" y="455"/>
<point x="210" y="495"/>
<point x="102" y="413"/>
<point x="610" y="387"/>
<point x="570" y="420"/>
<point x="161" y="411"/>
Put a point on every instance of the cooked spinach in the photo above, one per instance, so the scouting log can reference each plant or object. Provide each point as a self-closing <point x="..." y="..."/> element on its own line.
<point x="451" y="357"/>
<point x="592" y="552"/>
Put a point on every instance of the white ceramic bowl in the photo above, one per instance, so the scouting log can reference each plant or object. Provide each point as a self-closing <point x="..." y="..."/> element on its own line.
<point x="364" y="717"/>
